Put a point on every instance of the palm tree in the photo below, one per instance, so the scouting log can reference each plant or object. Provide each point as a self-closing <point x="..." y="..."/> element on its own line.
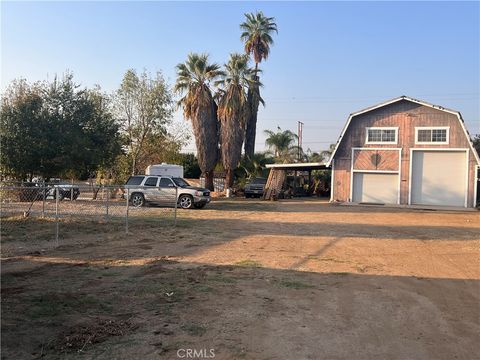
<point x="257" y="36"/>
<point x="232" y="111"/>
<point x="282" y="145"/>
<point x="254" y="166"/>
<point x="313" y="156"/>
<point x="325" y="154"/>
<point x="193" y="83"/>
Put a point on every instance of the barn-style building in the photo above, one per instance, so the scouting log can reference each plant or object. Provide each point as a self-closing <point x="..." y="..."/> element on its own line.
<point x="405" y="151"/>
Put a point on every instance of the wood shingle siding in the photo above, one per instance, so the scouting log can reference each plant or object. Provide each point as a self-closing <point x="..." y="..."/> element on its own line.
<point x="364" y="159"/>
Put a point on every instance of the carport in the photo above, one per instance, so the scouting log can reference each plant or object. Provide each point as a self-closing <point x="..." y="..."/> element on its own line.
<point x="276" y="182"/>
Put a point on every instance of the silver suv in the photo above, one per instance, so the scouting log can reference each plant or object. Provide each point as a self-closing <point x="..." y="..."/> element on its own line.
<point x="161" y="190"/>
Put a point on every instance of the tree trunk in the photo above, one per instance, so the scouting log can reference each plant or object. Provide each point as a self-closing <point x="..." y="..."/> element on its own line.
<point x="253" y="100"/>
<point x="251" y="124"/>
<point x="134" y="164"/>
<point x="209" y="180"/>
<point x="228" y="178"/>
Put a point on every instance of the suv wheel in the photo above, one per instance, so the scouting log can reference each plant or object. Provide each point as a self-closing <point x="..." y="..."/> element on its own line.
<point x="185" y="201"/>
<point x="137" y="200"/>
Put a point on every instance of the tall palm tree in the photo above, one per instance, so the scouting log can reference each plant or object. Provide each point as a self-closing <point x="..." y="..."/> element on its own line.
<point x="232" y="111"/>
<point x="257" y="33"/>
<point x="193" y="83"/>
<point x="282" y="144"/>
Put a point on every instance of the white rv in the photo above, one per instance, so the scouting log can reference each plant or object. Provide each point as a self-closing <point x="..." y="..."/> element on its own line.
<point x="165" y="170"/>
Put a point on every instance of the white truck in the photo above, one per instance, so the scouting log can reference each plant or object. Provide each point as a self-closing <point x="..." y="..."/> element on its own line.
<point x="164" y="169"/>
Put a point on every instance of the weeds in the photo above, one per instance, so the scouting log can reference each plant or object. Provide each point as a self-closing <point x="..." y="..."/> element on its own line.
<point x="249" y="263"/>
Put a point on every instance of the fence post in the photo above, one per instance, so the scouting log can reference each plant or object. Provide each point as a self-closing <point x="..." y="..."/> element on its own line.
<point x="57" y="193"/>
<point x="126" y="213"/>
<point x="176" y="204"/>
<point x="106" y="204"/>
<point x="71" y="192"/>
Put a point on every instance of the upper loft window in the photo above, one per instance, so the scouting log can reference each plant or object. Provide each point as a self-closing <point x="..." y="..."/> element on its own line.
<point x="431" y="135"/>
<point x="382" y="135"/>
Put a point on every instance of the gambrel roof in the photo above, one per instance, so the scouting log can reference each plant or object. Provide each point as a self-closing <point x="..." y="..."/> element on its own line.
<point x="397" y="99"/>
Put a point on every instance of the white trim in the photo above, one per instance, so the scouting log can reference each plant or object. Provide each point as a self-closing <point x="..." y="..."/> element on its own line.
<point x="332" y="181"/>
<point x="459" y="116"/>
<point x="467" y="155"/>
<point x="439" y="149"/>
<point x="376" y="148"/>
<point x="294" y="165"/>
<point x="399" y="175"/>
<point x="410" y="160"/>
<point x="475" y="184"/>
<point x="398" y="172"/>
<point x="432" y="128"/>
<point x="350" y="199"/>
<point x="381" y="128"/>
<point x="467" y="177"/>
<point x="377" y="171"/>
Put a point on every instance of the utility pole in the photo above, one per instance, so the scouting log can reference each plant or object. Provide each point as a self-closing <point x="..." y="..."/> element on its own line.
<point x="299" y="138"/>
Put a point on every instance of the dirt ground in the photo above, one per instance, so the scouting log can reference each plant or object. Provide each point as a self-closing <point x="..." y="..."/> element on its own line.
<point x="245" y="279"/>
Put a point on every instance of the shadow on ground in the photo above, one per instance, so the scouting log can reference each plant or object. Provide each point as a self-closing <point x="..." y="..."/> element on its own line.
<point x="246" y="312"/>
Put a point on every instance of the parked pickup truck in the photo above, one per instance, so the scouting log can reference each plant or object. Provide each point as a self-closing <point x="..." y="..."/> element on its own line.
<point x="161" y="190"/>
<point x="255" y="187"/>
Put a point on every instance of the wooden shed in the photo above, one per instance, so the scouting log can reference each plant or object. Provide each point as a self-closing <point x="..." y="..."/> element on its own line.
<point x="405" y="151"/>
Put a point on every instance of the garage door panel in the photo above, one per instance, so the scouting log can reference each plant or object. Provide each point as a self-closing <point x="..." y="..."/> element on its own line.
<point x="375" y="188"/>
<point x="438" y="178"/>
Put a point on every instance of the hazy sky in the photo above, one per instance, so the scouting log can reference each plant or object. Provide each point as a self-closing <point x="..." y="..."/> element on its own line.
<point x="329" y="58"/>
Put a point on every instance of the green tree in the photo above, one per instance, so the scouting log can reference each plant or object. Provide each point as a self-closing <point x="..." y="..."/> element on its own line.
<point x="256" y="34"/>
<point x="56" y="129"/>
<point x="281" y="145"/>
<point x="194" y="78"/>
<point x="476" y="143"/>
<point x="322" y="156"/>
<point x="190" y="166"/>
<point x="158" y="148"/>
<point x="23" y="122"/>
<point x="232" y="111"/>
<point x="254" y="166"/>
<point x="144" y="106"/>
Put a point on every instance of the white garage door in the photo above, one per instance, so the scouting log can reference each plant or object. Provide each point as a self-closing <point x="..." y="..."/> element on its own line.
<point x="375" y="188"/>
<point x="438" y="178"/>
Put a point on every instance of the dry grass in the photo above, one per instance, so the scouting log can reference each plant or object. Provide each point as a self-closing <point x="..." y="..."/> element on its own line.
<point x="249" y="279"/>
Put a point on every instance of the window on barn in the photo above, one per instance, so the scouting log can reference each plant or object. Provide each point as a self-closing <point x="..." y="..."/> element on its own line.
<point x="382" y="135"/>
<point x="431" y="135"/>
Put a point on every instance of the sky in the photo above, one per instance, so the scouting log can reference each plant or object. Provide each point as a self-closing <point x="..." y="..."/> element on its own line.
<point x="329" y="59"/>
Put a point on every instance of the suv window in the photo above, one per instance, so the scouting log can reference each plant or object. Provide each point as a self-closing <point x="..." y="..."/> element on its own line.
<point x="180" y="182"/>
<point x="151" y="181"/>
<point x="135" y="180"/>
<point x="166" y="182"/>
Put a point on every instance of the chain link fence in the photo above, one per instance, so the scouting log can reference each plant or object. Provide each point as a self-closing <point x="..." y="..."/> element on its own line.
<point x="61" y="210"/>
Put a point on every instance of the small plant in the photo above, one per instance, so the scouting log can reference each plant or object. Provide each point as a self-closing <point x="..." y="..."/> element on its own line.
<point x="248" y="263"/>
